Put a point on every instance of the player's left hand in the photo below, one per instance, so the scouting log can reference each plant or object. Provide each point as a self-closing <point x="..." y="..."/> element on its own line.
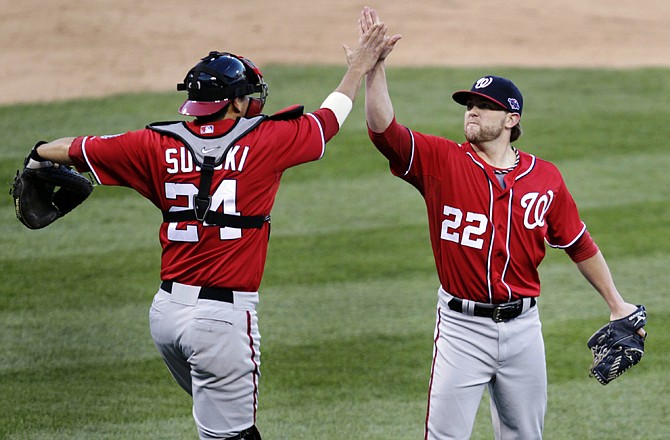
<point x="43" y="192"/>
<point x="369" y="18"/>
<point x="370" y="45"/>
<point x="618" y="346"/>
<point x="625" y="311"/>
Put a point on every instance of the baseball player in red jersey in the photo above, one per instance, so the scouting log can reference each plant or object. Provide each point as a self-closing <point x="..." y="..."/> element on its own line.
<point x="215" y="179"/>
<point x="491" y="208"/>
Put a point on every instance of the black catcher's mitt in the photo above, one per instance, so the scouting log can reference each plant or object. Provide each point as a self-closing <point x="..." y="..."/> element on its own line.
<point x="43" y="192"/>
<point x="617" y="346"/>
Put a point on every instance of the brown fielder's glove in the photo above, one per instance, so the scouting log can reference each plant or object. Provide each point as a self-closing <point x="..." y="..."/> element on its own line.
<point x="617" y="346"/>
<point x="43" y="192"/>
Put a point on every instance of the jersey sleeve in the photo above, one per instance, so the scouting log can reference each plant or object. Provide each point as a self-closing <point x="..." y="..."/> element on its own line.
<point x="118" y="160"/>
<point x="583" y="249"/>
<point x="396" y="144"/>
<point x="302" y="139"/>
<point x="413" y="156"/>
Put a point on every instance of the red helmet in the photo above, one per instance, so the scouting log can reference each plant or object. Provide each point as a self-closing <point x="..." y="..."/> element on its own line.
<point x="218" y="78"/>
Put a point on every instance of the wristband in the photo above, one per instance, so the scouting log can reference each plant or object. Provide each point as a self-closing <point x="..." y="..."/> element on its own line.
<point x="340" y="104"/>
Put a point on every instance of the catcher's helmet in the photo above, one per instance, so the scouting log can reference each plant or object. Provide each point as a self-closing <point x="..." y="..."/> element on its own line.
<point x="218" y="78"/>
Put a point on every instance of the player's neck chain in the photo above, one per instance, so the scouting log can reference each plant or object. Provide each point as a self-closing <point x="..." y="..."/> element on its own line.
<point x="507" y="170"/>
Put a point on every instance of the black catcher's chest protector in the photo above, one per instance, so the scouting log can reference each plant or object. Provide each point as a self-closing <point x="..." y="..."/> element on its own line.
<point x="208" y="153"/>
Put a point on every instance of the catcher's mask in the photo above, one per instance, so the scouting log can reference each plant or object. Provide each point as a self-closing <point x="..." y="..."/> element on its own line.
<point x="217" y="79"/>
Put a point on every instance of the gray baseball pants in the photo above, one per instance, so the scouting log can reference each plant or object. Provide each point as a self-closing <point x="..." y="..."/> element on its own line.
<point x="471" y="353"/>
<point x="212" y="349"/>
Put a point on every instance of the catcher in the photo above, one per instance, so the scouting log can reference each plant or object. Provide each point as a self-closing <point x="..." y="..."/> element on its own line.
<point x="214" y="178"/>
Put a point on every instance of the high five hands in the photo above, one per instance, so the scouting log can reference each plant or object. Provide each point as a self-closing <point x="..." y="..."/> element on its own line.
<point x="368" y="22"/>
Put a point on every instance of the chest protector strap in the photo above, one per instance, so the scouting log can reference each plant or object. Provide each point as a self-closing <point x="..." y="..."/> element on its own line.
<point x="209" y="153"/>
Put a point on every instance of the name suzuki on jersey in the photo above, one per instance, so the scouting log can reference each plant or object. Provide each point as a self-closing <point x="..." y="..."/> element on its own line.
<point x="180" y="160"/>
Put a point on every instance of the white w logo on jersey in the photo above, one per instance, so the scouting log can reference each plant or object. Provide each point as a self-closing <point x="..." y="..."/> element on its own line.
<point x="536" y="207"/>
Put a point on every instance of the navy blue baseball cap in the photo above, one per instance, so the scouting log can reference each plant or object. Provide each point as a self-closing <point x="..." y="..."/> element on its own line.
<point x="494" y="88"/>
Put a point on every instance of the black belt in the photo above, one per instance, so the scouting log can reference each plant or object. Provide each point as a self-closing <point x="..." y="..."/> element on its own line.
<point x="213" y="293"/>
<point x="497" y="312"/>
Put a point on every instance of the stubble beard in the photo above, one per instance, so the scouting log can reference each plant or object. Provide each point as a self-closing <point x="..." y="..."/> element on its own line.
<point x="482" y="134"/>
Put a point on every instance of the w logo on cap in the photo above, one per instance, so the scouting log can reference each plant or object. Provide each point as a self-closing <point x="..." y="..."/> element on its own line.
<point x="495" y="88"/>
<point x="483" y="83"/>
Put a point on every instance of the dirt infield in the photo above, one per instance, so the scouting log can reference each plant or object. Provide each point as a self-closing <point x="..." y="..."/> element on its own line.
<point x="62" y="49"/>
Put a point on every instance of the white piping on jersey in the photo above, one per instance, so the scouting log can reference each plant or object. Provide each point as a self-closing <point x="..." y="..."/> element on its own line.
<point x="411" y="157"/>
<point x="493" y="228"/>
<point x="509" y="223"/>
<point x="558" y="246"/>
<point x="507" y="248"/>
<point x="323" y="137"/>
<point x="88" y="162"/>
<point x="489" y="284"/>
<point x="530" y="168"/>
<point x="493" y="236"/>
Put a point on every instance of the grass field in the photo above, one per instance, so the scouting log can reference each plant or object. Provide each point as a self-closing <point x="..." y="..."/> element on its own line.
<point x="348" y="298"/>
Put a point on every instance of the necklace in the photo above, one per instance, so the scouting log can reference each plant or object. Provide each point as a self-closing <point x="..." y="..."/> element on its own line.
<point x="507" y="170"/>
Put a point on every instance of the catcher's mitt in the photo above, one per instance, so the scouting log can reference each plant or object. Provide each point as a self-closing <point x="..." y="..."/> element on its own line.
<point x="617" y="346"/>
<point x="43" y="192"/>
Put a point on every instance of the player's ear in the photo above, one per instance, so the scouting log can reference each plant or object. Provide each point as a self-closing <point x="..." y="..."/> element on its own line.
<point x="512" y="119"/>
<point x="239" y="104"/>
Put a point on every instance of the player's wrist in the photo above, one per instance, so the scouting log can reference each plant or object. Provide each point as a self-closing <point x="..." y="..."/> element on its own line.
<point x="34" y="160"/>
<point x="340" y="104"/>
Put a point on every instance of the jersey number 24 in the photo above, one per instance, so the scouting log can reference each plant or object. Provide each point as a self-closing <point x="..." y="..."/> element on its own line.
<point x="225" y="196"/>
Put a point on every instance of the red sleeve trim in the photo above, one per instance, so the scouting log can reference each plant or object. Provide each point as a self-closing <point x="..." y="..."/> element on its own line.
<point x="582" y="249"/>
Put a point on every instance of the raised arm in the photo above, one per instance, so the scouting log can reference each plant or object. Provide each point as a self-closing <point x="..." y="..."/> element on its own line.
<point x="360" y="60"/>
<point x="378" y="106"/>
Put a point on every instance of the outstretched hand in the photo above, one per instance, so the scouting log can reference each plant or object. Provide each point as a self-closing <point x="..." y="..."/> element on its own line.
<point x="371" y="43"/>
<point x="362" y="58"/>
<point x="373" y="46"/>
<point x="368" y="19"/>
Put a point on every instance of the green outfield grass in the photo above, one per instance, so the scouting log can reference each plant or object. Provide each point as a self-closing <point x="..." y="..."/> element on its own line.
<point x="348" y="299"/>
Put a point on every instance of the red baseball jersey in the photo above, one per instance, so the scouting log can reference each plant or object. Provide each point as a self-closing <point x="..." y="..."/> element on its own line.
<point x="162" y="169"/>
<point x="487" y="240"/>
